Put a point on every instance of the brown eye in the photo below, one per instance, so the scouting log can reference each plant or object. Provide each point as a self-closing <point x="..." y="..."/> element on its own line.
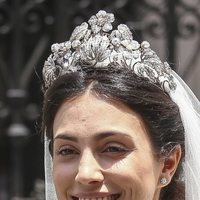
<point x="67" y="151"/>
<point x="115" y="149"/>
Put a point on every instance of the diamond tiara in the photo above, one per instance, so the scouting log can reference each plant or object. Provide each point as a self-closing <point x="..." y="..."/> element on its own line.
<point x="96" y="44"/>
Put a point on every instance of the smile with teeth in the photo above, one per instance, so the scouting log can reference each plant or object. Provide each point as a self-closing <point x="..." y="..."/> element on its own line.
<point x="110" y="197"/>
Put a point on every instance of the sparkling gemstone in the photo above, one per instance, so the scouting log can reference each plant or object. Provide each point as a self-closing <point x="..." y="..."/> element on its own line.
<point x="135" y="45"/>
<point x="65" y="64"/>
<point x="101" y="13"/>
<point x="92" y="20"/>
<point x="95" y="28"/>
<point x="166" y="87"/>
<point x="55" y="47"/>
<point x="107" y="27"/>
<point x="111" y="17"/>
<point x="145" y="45"/>
<point x="68" y="44"/>
<point x="115" y="41"/>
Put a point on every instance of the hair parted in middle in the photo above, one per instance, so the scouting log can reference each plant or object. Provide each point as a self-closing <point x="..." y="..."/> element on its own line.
<point x="159" y="113"/>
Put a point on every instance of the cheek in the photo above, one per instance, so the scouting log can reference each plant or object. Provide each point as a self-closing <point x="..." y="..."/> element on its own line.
<point x="63" y="175"/>
<point x="133" y="169"/>
<point x="136" y="176"/>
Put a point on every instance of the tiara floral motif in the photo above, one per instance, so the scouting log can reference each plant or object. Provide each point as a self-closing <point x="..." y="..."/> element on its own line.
<point x="96" y="44"/>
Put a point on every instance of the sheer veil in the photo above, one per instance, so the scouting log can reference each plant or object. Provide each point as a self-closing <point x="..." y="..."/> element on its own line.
<point x="50" y="192"/>
<point x="189" y="107"/>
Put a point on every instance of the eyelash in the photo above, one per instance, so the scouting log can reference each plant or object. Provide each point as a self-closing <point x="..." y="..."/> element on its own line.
<point x="67" y="151"/>
<point x="115" y="149"/>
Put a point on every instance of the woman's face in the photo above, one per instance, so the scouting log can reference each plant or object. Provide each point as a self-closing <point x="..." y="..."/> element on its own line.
<point x="101" y="151"/>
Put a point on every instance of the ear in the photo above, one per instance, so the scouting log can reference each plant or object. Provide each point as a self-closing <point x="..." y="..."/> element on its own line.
<point x="170" y="164"/>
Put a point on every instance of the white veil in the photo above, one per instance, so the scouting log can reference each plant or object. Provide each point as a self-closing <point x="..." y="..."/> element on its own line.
<point x="189" y="107"/>
<point x="50" y="192"/>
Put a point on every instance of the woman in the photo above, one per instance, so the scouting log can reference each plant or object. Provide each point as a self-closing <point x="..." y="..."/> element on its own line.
<point x="119" y="123"/>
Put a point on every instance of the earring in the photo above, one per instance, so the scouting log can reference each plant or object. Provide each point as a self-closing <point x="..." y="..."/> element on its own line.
<point x="163" y="180"/>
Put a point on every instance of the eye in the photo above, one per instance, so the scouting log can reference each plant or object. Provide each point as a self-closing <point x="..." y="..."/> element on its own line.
<point x="67" y="151"/>
<point x="115" y="148"/>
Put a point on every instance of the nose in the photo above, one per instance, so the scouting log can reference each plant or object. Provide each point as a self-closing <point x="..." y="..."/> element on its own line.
<point x="89" y="170"/>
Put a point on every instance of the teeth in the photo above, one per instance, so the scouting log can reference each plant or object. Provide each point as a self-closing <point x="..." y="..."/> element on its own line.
<point x="113" y="197"/>
<point x="100" y="198"/>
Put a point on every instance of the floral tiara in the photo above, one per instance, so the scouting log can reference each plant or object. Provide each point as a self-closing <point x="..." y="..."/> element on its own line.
<point x="96" y="44"/>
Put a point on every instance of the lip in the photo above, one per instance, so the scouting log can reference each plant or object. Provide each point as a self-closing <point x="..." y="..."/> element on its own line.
<point x="96" y="196"/>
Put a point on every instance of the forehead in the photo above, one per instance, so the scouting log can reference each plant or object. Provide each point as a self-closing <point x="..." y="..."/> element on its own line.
<point x="87" y="115"/>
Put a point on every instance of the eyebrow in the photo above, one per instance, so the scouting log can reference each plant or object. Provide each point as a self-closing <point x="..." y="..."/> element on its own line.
<point x="66" y="136"/>
<point x="103" y="135"/>
<point x="98" y="136"/>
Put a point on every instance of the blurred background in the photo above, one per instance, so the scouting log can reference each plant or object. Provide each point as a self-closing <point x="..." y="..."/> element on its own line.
<point x="27" y="30"/>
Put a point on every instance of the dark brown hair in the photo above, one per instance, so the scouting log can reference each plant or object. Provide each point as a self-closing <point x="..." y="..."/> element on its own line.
<point x="159" y="112"/>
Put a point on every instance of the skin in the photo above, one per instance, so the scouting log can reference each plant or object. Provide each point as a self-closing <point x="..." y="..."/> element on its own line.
<point x="102" y="148"/>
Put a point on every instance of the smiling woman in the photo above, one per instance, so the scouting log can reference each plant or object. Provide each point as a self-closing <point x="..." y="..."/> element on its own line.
<point x="103" y="151"/>
<point x="117" y="120"/>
